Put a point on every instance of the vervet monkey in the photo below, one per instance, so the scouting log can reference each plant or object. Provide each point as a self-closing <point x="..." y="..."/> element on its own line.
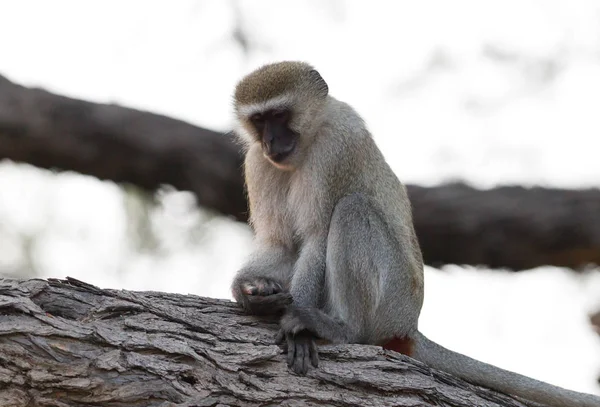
<point x="337" y="253"/>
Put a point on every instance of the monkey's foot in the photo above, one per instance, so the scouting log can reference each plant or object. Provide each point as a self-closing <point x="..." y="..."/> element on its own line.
<point x="301" y="350"/>
<point x="261" y="286"/>
<point x="262" y="296"/>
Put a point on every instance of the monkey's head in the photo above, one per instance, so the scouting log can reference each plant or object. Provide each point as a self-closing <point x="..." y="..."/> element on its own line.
<point x="280" y="106"/>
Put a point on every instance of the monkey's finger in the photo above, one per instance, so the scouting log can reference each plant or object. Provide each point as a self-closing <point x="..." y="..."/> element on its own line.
<point x="299" y="362"/>
<point x="249" y="289"/>
<point x="262" y="286"/>
<point x="270" y="304"/>
<point x="271" y="287"/>
<point x="307" y="357"/>
<point x="274" y="299"/>
<point x="279" y="337"/>
<point x="314" y="354"/>
<point x="291" y="353"/>
<point x="267" y="305"/>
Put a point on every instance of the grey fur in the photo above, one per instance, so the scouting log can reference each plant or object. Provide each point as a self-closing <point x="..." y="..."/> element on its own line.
<point x="333" y="226"/>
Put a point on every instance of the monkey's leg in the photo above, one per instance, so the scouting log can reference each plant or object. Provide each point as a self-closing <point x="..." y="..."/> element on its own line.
<point x="370" y="275"/>
<point x="368" y="294"/>
<point x="261" y="285"/>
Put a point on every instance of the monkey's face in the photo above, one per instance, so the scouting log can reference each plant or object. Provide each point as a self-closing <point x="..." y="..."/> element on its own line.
<point x="279" y="105"/>
<point x="278" y="140"/>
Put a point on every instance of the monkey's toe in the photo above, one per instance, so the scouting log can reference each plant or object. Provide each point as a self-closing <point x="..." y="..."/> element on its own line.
<point x="279" y="338"/>
<point x="301" y="352"/>
<point x="261" y="286"/>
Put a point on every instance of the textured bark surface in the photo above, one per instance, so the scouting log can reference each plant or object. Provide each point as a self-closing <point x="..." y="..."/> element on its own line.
<point x="67" y="343"/>
<point x="510" y="227"/>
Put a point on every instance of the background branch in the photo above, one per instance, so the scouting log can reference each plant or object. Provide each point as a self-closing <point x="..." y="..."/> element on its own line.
<point x="512" y="227"/>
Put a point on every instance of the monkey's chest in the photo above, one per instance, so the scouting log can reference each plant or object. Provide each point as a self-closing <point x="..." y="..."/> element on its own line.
<point x="306" y="209"/>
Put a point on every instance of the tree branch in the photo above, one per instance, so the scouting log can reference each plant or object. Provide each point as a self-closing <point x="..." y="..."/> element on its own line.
<point x="510" y="227"/>
<point x="68" y="343"/>
<point x="115" y="143"/>
<point x="507" y="227"/>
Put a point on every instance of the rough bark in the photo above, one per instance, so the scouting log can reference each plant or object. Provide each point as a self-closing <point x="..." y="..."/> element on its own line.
<point x="512" y="227"/>
<point x="68" y="343"/>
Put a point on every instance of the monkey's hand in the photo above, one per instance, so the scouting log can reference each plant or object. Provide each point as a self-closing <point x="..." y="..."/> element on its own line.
<point x="301" y="350"/>
<point x="298" y="338"/>
<point x="261" y="296"/>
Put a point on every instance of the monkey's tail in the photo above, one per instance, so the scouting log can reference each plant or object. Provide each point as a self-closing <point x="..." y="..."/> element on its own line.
<point x="507" y="382"/>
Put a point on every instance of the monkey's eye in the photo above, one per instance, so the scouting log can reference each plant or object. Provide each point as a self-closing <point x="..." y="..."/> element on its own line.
<point x="258" y="119"/>
<point x="280" y="115"/>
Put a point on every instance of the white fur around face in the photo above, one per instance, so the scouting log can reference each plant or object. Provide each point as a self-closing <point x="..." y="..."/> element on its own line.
<point x="243" y="134"/>
<point x="270" y="104"/>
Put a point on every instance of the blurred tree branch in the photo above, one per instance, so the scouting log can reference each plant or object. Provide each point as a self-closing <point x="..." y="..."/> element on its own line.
<point x="119" y="144"/>
<point x="512" y="227"/>
<point x="68" y="343"/>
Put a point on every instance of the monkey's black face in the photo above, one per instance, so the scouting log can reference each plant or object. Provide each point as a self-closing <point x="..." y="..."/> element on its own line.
<point x="277" y="139"/>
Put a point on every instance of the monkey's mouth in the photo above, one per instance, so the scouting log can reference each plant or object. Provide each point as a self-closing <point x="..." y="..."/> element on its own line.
<point x="281" y="153"/>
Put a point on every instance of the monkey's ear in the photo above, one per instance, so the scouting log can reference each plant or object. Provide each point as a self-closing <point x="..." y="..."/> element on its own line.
<point x="322" y="87"/>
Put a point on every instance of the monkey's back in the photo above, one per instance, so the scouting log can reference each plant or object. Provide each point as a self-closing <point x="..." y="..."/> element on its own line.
<point x="354" y="164"/>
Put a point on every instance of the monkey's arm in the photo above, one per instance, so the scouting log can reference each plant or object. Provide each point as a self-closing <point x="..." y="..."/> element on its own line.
<point x="307" y="290"/>
<point x="309" y="273"/>
<point x="261" y="285"/>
